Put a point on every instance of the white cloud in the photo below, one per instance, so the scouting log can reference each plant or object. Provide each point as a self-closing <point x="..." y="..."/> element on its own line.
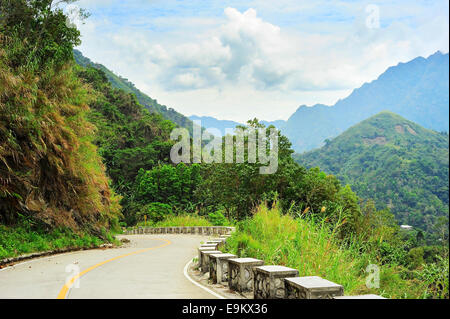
<point x="241" y="65"/>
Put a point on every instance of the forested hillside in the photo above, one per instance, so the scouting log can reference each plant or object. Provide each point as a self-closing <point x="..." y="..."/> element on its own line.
<point x="396" y="162"/>
<point x="50" y="171"/>
<point x="123" y="84"/>
<point x="128" y="136"/>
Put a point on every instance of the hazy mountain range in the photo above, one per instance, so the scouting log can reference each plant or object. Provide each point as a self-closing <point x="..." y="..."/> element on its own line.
<point x="416" y="90"/>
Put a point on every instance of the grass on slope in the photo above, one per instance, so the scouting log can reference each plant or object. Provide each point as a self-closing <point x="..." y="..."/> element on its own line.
<point x="313" y="249"/>
<point x="25" y="239"/>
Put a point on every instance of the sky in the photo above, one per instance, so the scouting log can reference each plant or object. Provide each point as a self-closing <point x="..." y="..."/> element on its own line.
<point x="237" y="60"/>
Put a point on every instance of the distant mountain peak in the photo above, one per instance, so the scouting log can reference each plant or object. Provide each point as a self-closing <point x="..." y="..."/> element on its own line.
<point x="417" y="90"/>
<point x="396" y="162"/>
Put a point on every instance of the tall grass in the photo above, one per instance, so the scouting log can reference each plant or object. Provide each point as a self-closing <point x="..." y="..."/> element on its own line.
<point x="23" y="239"/>
<point x="313" y="249"/>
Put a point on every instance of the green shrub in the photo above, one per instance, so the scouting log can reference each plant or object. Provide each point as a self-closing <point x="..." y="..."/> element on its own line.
<point x="25" y="238"/>
<point x="316" y="250"/>
<point x="155" y="212"/>
<point x="218" y="219"/>
<point x="183" y="220"/>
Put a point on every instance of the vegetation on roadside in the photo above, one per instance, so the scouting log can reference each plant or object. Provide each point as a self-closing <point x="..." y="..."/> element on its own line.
<point x="313" y="246"/>
<point x="49" y="168"/>
<point x="27" y="237"/>
<point x="54" y="191"/>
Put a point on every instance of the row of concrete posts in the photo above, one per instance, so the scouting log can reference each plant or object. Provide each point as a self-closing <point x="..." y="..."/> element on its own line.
<point x="265" y="281"/>
<point x="199" y="230"/>
<point x="251" y="275"/>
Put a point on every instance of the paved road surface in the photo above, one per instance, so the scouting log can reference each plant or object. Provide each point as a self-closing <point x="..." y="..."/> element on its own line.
<point x="151" y="266"/>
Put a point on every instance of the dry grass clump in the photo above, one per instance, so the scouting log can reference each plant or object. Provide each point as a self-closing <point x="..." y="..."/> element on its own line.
<point x="49" y="169"/>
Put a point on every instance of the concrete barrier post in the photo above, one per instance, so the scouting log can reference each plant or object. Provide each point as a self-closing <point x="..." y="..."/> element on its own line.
<point x="268" y="281"/>
<point x="241" y="273"/>
<point x="205" y="259"/>
<point x="218" y="267"/>
<point x="200" y="256"/>
<point x="220" y="242"/>
<point x="311" y="287"/>
<point x="213" y="245"/>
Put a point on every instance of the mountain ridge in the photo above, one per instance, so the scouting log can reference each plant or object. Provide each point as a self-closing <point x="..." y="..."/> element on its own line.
<point x="400" y="164"/>
<point x="416" y="90"/>
<point x="149" y="103"/>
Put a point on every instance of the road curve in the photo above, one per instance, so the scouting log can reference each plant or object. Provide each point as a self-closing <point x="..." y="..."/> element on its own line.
<point x="149" y="267"/>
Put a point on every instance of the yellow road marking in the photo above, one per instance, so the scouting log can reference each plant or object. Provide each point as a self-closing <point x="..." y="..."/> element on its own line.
<point x="65" y="289"/>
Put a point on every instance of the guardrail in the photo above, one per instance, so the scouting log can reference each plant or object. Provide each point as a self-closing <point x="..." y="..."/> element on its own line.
<point x="250" y="274"/>
<point x="199" y="230"/>
<point x="265" y="281"/>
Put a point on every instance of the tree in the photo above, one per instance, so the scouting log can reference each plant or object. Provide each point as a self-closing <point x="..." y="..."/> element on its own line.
<point x="42" y="27"/>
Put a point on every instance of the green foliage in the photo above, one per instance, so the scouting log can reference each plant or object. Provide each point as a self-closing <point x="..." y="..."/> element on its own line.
<point x="155" y="212"/>
<point x="397" y="163"/>
<point x="49" y="169"/>
<point x="313" y="247"/>
<point x="239" y="188"/>
<point x="27" y="237"/>
<point x="217" y="218"/>
<point x="435" y="276"/>
<point x="129" y="138"/>
<point x="173" y="185"/>
<point x="47" y="38"/>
